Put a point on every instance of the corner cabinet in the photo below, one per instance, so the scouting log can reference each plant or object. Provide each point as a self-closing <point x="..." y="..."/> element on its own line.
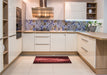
<point x="75" y="10"/>
<point x="58" y="42"/>
<point x="87" y="49"/>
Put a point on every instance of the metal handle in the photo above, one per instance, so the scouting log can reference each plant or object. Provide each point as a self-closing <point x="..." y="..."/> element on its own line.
<point x="42" y="36"/>
<point x="42" y="44"/>
<point x="84" y="49"/>
<point x="12" y="35"/>
<point x="85" y="40"/>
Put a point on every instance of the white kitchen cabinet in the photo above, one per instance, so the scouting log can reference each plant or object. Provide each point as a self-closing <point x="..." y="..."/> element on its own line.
<point x="87" y="48"/>
<point x="19" y="45"/>
<point x="12" y="48"/>
<point x="1" y="16"/>
<point x="12" y="17"/>
<point x="58" y="41"/>
<point x="75" y="10"/>
<point x="42" y="42"/>
<point x="1" y="55"/>
<point x="71" y="42"/>
<point x="28" y="42"/>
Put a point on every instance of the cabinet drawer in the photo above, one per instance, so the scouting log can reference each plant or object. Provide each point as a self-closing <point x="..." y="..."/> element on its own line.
<point x="42" y="34"/>
<point x="42" y="47"/>
<point x="87" y="48"/>
<point x="42" y="40"/>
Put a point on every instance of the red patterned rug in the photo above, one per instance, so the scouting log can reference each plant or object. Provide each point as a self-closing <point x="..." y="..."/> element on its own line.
<point x="51" y="59"/>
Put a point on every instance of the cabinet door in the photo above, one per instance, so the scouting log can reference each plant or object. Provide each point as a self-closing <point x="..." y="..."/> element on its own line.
<point x="28" y="42"/>
<point x="1" y="10"/>
<point x="19" y="45"/>
<point x="71" y="42"/>
<point x="75" y="10"/>
<point x="12" y="48"/>
<point x="58" y="42"/>
<point x="1" y="55"/>
<point x="12" y="17"/>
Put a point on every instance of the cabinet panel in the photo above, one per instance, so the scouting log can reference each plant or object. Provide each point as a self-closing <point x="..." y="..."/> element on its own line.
<point x="28" y="42"/>
<point x="42" y="47"/>
<point x="1" y="55"/>
<point x="78" y="13"/>
<point x="12" y="17"/>
<point x="42" y="40"/>
<point x="71" y="42"/>
<point x="12" y="48"/>
<point x="87" y="48"/>
<point x="19" y="45"/>
<point x="1" y="24"/>
<point x="58" y="42"/>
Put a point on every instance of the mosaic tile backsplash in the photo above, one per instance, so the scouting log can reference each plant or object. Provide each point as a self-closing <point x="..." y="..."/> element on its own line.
<point x="48" y="25"/>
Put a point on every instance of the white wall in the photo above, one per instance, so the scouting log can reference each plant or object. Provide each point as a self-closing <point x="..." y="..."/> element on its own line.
<point x="57" y="4"/>
<point x="100" y="13"/>
<point x="100" y="9"/>
<point x="105" y="16"/>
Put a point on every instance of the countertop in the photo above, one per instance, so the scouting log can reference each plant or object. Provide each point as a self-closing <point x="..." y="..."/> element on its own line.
<point x="96" y="35"/>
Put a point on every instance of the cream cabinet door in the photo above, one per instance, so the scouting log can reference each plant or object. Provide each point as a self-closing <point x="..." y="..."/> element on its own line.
<point x="58" y="42"/>
<point x="1" y="55"/>
<point x="42" y="42"/>
<point x="1" y="16"/>
<point x="71" y="42"/>
<point x="19" y="45"/>
<point x="12" y="48"/>
<point x="87" y="48"/>
<point x="28" y="42"/>
<point x="12" y="17"/>
<point x="75" y="10"/>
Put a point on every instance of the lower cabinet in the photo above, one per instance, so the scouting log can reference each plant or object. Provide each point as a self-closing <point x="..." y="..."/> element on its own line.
<point x="42" y="42"/>
<point x="12" y="48"/>
<point x="87" y="49"/>
<point x="28" y="42"/>
<point x="58" y="42"/>
<point x="1" y="55"/>
<point x="49" y="42"/>
<point x="71" y="42"/>
<point x="19" y="45"/>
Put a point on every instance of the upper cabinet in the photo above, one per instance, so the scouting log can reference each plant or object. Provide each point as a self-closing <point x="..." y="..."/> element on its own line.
<point x="12" y="17"/>
<point x="75" y="10"/>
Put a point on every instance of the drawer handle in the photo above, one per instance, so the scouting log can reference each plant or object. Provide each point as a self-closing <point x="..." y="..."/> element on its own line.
<point x="42" y="44"/>
<point x="84" y="49"/>
<point x="42" y="36"/>
<point x="84" y="40"/>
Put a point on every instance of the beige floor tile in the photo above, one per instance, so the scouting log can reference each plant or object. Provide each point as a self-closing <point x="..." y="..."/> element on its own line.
<point x="24" y="66"/>
<point x="41" y="68"/>
<point x="41" y="73"/>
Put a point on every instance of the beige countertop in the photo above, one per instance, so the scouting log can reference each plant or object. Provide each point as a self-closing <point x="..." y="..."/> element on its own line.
<point x="96" y="35"/>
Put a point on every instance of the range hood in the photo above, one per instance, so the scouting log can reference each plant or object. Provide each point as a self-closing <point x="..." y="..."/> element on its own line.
<point x="43" y="11"/>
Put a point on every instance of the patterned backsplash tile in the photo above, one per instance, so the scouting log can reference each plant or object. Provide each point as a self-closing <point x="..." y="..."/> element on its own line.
<point x="48" y="25"/>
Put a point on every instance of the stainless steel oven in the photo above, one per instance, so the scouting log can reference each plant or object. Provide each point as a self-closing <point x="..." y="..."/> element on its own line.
<point x="18" y="23"/>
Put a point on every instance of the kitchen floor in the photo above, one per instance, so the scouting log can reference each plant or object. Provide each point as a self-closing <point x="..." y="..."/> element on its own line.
<point x="24" y="66"/>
